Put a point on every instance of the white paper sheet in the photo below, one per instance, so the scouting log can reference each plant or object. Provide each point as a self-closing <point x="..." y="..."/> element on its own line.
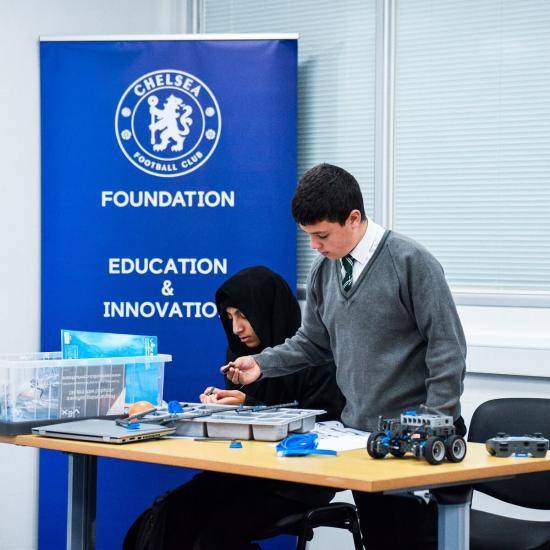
<point x="335" y="436"/>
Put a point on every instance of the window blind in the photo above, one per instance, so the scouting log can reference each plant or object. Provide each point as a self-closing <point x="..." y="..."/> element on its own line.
<point x="472" y="140"/>
<point x="336" y="67"/>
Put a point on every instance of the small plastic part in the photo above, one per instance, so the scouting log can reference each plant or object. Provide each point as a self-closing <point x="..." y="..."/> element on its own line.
<point x="235" y="445"/>
<point x="132" y="426"/>
<point x="174" y="407"/>
<point x="140" y="406"/>
<point x="135" y="413"/>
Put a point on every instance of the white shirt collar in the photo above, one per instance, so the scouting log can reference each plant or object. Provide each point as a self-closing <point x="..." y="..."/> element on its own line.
<point x="366" y="247"/>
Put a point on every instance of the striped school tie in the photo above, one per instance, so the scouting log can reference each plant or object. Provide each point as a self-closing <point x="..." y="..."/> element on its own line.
<point x="347" y="263"/>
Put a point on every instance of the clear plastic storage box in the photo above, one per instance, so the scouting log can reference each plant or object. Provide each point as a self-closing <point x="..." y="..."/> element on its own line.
<point x="37" y="388"/>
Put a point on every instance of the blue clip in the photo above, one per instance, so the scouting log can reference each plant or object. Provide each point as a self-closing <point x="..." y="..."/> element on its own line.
<point x="133" y="426"/>
<point x="174" y="407"/>
<point x="235" y="445"/>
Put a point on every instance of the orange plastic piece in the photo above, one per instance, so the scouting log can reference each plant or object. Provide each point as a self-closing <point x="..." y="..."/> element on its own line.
<point x="140" y="406"/>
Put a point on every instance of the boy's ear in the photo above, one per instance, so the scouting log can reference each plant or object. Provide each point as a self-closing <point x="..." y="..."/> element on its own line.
<point x="354" y="217"/>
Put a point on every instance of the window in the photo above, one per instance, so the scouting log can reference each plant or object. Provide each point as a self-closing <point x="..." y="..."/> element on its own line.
<point x="336" y="66"/>
<point x="463" y="118"/>
<point x="472" y="146"/>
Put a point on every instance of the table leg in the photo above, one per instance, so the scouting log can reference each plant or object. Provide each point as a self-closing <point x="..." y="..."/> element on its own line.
<point x="81" y="502"/>
<point x="453" y="507"/>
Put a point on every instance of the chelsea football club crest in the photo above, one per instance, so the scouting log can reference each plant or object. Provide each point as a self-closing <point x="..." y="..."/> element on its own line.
<point x="168" y="123"/>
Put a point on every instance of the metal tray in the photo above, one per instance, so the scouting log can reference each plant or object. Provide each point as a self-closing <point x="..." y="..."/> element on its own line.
<point x="268" y="425"/>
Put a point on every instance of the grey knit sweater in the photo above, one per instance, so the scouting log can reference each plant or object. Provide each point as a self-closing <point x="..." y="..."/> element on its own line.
<point x="395" y="337"/>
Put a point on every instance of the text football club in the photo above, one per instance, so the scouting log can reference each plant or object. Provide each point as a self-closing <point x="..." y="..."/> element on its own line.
<point x="168" y="123"/>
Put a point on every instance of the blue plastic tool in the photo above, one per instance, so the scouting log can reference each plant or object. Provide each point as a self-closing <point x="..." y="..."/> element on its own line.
<point x="133" y="426"/>
<point x="301" y="445"/>
<point x="174" y="407"/>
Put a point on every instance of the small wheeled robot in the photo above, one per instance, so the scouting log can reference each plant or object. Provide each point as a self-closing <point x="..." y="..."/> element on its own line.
<point x="527" y="445"/>
<point x="429" y="436"/>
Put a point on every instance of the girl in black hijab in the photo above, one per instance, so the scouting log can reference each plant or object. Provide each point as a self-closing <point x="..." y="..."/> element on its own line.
<point x="257" y="309"/>
<point x="268" y="303"/>
<point x="258" y="302"/>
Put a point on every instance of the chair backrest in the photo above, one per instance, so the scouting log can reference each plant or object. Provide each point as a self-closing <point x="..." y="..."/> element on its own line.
<point x="514" y="416"/>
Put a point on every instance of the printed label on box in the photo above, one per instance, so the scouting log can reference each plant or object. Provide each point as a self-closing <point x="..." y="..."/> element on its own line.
<point x="141" y="379"/>
<point x="77" y="344"/>
<point x="92" y="391"/>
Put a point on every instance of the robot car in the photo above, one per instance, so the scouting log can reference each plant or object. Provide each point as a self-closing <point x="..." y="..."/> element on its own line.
<point x="429" y="436"/>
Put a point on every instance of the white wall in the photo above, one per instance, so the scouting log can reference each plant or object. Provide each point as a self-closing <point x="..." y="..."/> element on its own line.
<point x="21" y="23"/>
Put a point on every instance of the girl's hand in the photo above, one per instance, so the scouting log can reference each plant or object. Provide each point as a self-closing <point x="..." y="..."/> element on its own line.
<point x="222" y="397"/>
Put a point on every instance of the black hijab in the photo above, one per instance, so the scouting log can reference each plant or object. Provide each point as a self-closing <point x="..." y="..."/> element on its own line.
<point x="269" y="305"/>
<point x="266" y="301"/>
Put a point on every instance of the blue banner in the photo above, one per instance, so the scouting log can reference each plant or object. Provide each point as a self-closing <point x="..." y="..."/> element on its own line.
<point x="167" y="166"/>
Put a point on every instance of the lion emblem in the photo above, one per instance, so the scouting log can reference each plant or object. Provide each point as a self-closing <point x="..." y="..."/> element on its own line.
<point x="172" y="122"/>
<point x="168" y="123"/>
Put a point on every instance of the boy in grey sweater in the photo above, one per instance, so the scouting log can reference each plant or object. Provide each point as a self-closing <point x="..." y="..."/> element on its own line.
<point x="379" y="306"/>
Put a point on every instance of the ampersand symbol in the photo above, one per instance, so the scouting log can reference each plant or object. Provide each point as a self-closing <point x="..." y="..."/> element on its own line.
<point x="167" y="289"/>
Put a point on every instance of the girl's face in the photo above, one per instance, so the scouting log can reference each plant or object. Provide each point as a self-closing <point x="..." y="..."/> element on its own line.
<point x="242" y="327"/>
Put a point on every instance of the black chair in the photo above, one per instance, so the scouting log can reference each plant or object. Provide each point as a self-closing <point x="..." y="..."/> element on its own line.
<point x="515" y="416"/>
<point x="337" y="514"/>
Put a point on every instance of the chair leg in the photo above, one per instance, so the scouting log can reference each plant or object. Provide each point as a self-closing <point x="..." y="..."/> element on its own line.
<point x="302" y="539"/>
<point x="357" y="537"/>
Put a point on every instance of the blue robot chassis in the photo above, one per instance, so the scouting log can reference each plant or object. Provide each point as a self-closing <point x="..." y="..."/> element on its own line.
<point x="429" y="436"/>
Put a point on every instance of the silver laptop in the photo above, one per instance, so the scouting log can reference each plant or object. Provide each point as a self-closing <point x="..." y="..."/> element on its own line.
<point x="104" y="431"/>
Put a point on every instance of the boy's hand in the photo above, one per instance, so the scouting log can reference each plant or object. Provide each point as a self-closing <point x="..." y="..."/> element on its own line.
<point x="244" y="370"/>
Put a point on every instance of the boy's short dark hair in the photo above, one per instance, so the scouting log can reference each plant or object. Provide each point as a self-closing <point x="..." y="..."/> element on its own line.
<point x="326" y="193"/>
